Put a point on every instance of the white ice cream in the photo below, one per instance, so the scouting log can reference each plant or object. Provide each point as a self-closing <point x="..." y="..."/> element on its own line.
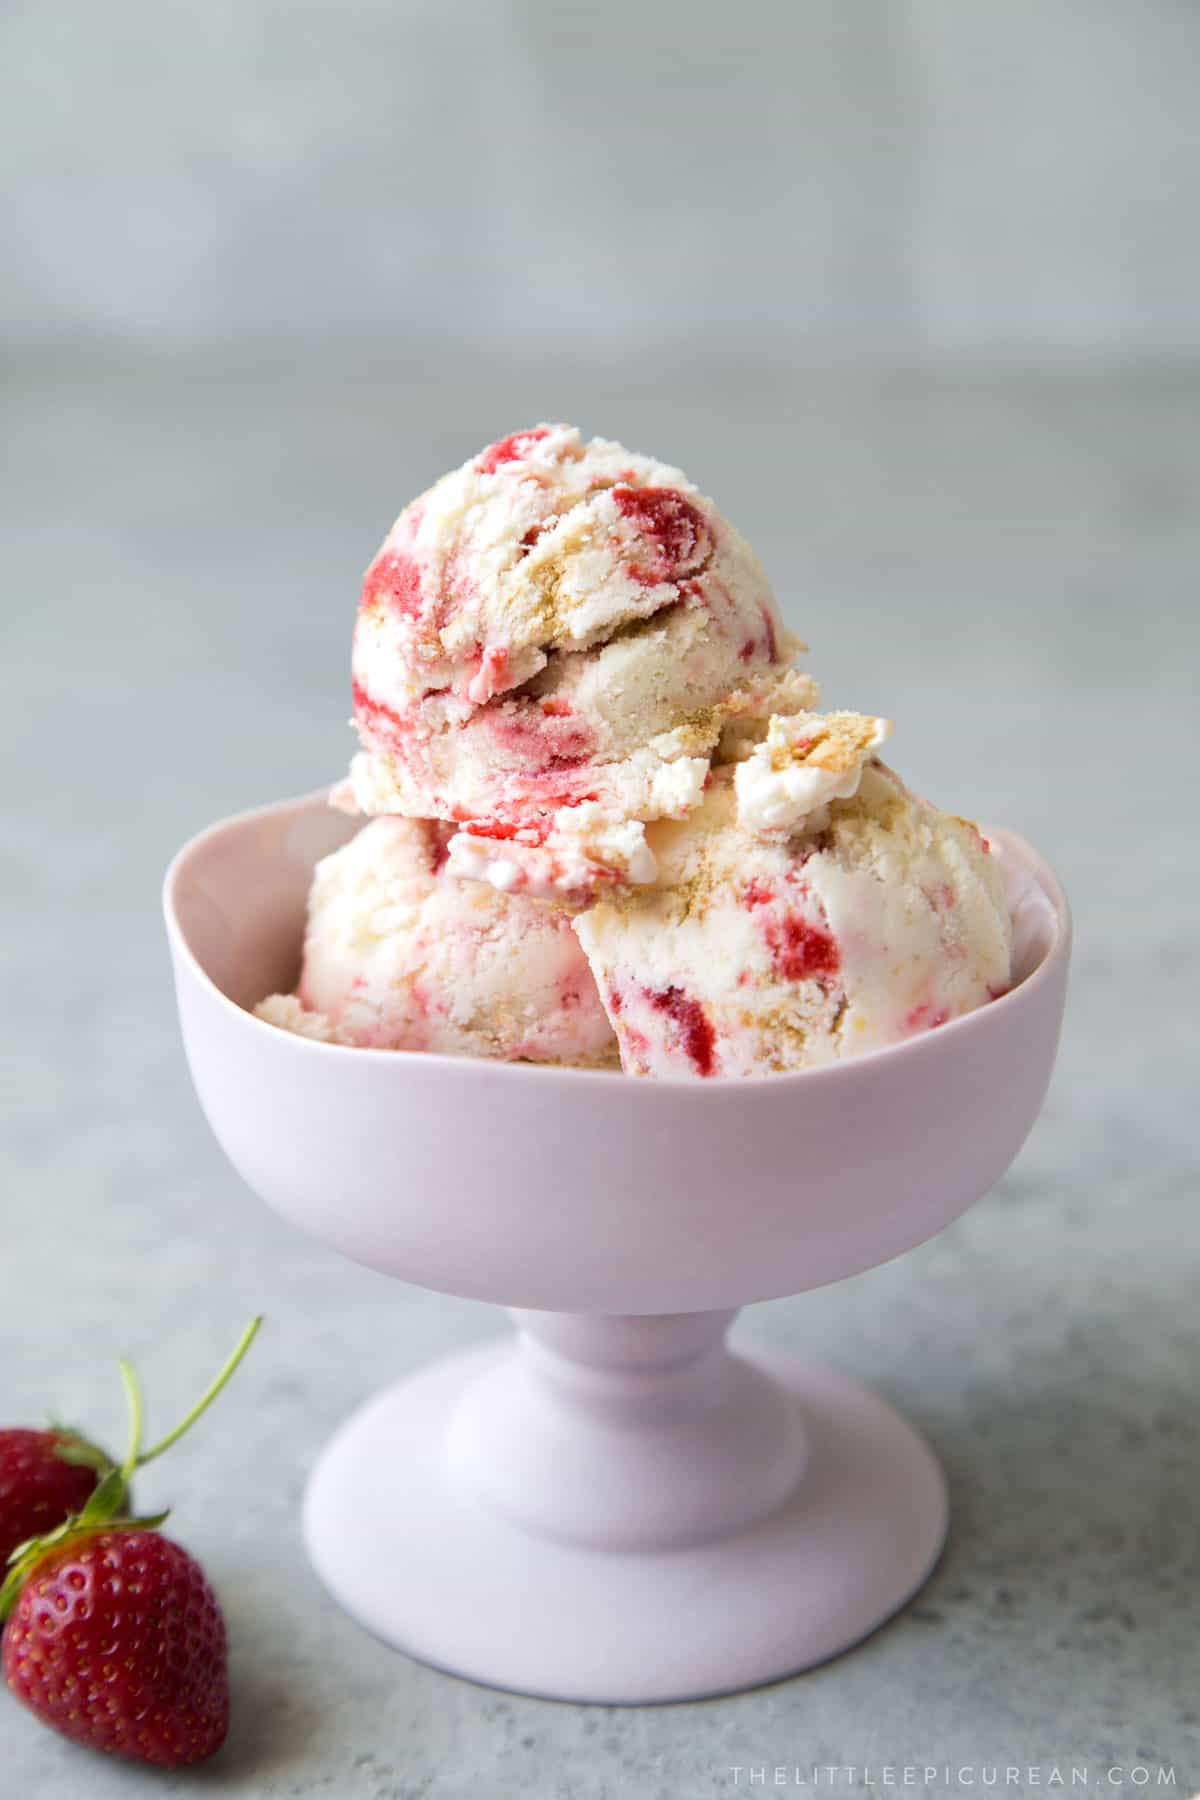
<point x="400" y="955"/>
<point x="555" y="624"/>
<point x="768" y="952"/>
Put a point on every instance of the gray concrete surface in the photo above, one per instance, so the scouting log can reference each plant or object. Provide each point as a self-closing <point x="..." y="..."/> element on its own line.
<point x="1006" y="562"/>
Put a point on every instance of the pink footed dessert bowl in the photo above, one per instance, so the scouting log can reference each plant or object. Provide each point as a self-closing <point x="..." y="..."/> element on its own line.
<point x="613" y="1506"/>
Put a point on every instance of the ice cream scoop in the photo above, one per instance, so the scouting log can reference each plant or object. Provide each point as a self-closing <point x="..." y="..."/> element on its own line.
<point x="556" y="624"/>
<point x="401" y="955"/>
<point x="853" y="923"/>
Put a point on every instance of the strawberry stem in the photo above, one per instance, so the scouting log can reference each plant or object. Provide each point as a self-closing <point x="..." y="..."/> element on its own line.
<point x="142" y="1457"/>
<point x="133" y="1401"/>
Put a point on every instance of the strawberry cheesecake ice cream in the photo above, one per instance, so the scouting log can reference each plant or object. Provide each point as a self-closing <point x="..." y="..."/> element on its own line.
<point x="604" y="814"/>
<point x="549" y="645"/>
<point x="802" y="913"/>
<point x="401" y="955"/>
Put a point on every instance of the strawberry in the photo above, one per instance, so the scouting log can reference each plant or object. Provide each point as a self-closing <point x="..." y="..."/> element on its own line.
<point x="114" y="1637"/>
<point x="42" y="1479"/>
<point x="118" y="1642"/>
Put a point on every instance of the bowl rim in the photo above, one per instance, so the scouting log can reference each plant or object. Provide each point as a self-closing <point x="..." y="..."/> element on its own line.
<point x="1057" y="953"/>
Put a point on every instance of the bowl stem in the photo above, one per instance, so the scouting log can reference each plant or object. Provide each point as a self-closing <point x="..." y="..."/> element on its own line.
<point x="630" y="1433"/>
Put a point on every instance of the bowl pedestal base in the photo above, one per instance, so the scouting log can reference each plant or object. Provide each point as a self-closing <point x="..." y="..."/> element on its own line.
<point x="623" y="1510"/>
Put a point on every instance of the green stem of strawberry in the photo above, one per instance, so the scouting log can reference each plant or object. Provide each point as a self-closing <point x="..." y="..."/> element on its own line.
<point x="205" y="1401"/>
<point x="109" y="1496"/>
<point x="133" y="1401"/>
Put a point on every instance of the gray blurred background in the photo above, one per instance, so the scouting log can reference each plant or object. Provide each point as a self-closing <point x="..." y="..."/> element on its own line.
<point x="905" y="176"/>
<point x="914" y="290"/>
